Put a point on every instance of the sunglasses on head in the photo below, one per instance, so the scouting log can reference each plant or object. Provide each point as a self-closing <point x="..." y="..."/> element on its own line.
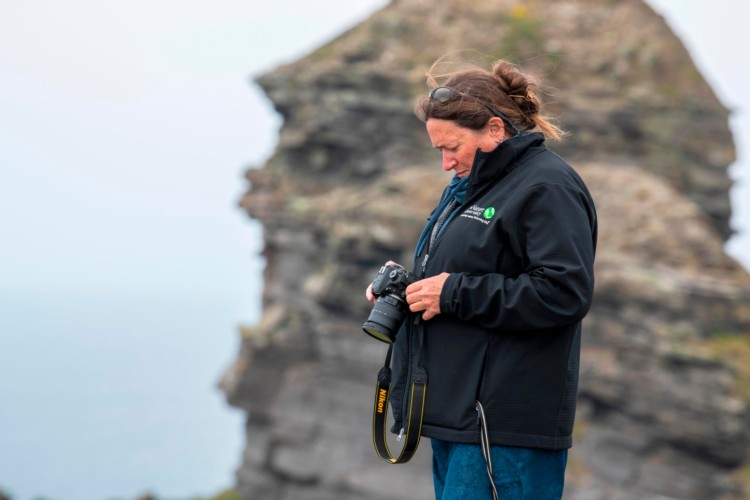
<point x="444" y="94"/>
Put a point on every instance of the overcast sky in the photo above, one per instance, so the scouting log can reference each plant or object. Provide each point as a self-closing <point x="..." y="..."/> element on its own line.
<point x="115" y="139"/>
<point x="125" y="265"/>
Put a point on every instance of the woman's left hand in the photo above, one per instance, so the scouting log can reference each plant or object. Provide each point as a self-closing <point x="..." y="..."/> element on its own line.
<point x="424" y="295"/>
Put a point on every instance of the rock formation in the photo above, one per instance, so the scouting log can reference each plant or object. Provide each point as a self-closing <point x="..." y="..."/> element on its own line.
<point x="664" y="393"/>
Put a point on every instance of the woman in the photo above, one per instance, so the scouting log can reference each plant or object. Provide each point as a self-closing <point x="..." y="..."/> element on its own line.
<point x="506" y="276"/>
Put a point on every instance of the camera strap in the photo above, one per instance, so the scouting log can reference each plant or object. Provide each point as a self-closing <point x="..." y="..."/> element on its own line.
<point x="416" y="411"/>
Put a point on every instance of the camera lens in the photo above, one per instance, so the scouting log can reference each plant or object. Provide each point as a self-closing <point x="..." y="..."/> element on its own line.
<point x="385" y="318"/>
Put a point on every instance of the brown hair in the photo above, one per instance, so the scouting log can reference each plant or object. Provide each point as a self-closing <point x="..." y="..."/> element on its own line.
<point x="506" y="89"/>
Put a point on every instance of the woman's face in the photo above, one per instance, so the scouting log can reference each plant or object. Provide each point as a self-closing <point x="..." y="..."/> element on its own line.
<point x="459" y="145"/>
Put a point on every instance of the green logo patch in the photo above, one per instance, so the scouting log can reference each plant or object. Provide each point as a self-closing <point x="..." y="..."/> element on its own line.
<point x="488" y="213"/>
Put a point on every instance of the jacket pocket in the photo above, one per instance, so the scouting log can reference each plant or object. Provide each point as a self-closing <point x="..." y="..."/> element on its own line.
<point x="483" y="372"/>
<point x="456" y="365"/>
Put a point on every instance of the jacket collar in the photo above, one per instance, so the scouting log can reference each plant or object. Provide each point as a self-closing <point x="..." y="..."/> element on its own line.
<point x="499" y="162"/>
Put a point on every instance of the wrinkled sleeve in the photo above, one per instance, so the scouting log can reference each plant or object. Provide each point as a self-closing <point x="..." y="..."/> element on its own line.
<point x="556" y="236"/>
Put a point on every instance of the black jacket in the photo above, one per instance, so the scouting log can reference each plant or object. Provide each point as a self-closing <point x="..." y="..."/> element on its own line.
<point x="520" y="250"/>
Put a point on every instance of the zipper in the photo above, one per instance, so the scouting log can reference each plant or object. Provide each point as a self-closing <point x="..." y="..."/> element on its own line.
<point x="409" y="348"/>
<point x="410" y="332"/>
<point x="424" y="264"/>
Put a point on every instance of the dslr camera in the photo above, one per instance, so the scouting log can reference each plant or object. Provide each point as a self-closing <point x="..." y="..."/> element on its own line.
<point x="391" y="308"/>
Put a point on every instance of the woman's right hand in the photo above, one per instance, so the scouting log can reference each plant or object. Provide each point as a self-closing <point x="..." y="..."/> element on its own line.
<point x="368" y="293"/>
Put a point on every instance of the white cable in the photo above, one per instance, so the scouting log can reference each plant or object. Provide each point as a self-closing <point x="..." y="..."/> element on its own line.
<point x="484" y="436"/>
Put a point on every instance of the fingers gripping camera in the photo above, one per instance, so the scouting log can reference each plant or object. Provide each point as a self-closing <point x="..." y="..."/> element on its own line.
<point x="391" y="308"/>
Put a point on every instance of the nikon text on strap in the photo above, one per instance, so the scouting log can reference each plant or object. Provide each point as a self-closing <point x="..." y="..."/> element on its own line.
<point x="414" y="420"/>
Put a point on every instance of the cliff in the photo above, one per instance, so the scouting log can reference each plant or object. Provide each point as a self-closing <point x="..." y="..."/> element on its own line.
<point x="663" y="401"/>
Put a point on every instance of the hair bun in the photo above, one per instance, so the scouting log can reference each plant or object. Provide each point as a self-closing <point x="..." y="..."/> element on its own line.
<point x="518" y="86"/>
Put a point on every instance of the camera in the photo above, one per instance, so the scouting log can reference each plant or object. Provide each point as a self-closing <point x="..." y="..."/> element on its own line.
<point x="390" y="309"/>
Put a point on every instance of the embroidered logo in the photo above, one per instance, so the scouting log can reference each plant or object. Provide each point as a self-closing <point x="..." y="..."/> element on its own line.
<point x="480" y="214"/>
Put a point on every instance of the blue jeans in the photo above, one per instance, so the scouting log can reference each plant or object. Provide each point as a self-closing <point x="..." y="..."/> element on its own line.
<point x="460" y="472"/>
